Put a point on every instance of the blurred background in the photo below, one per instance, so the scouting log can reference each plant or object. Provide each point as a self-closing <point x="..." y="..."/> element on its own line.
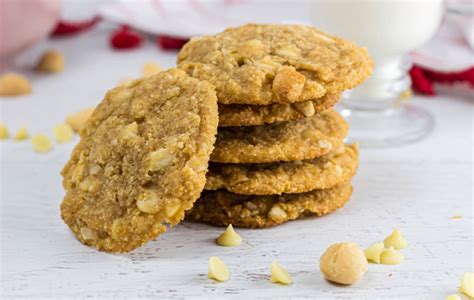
<point x="168" y="23"/>
<point x="420" y="46"/>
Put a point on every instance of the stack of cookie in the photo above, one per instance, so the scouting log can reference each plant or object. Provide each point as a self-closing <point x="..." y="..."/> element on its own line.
<point x="279" y="153"/>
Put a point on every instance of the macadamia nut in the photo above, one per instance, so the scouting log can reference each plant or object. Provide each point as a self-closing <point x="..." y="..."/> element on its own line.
<point x="79" y="119"/>
<point x="343" y="263"/>
<point x="12" y="84"/>
<point x="52" y="61"/>
<point x="150" y="69"/>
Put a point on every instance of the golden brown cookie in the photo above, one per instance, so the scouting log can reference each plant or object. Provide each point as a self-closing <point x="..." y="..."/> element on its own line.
<point x="285" y="177"/>
<point x="223" y="208"/>
<point x="249" y="115"/>
<point x="262" y="64"/>
<point x="285" y="141"/>
<point x="141" y="161"/>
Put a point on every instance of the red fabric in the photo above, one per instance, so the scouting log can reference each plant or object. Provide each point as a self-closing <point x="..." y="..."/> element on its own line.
<point x="65" y="28"/>
<point x="125" y="38"/>
<point x="423" y="79"/>
<point x="419" y="82"/>
<point x="168" y="42"/>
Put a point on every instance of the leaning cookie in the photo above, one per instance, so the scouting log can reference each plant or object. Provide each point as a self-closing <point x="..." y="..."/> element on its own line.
<point x="285" y="177"/>
<point x="141" y="161"/>
<point x="223" y="208"/>
<point x="262" y="64"/>
<point x="285" y="141"/>
<point x="250" y="115"/>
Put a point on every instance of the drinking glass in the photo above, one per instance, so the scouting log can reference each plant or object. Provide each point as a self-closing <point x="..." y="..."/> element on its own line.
<point x="378" y="112"/>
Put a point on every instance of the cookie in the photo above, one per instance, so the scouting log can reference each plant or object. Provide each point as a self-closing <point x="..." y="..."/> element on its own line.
<point x="285" y="177"/>
<point x="249" y="115"/>
<point x="222" y="208"/>
<point x="141" y="161"/>
<point x="286" y="141"/>
<point x="262" y="64"/>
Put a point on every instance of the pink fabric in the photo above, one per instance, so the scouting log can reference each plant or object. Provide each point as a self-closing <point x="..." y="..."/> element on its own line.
<point x="23" y="23"/>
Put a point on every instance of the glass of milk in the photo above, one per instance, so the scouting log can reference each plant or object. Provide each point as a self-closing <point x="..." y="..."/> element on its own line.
<point x="377" y="111"/>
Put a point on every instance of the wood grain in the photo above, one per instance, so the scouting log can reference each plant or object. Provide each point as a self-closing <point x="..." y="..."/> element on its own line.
<point x="416" y="188"/>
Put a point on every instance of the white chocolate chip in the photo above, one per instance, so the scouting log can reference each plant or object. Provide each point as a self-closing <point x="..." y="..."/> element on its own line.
<point x="196" y="164"/>
<point x="467" y="284"/>
<point x="4" y="134"/>
<point x="277" y="213"/>
<point x="325" y="144"/>
<point x="172" y="209"/>
<point x="373" y="252"/>
<point x="306" y="108"/>
<point x="217" y="269"/>
<point x="87" y="185"/>
<point x="129" y="131"/>
<point x="391" y="256"/>
<point x="160" y="159"/>
<point x="338" y="170"/>
<point x="229" y="237"/>
<point x="123" y="95"/>
<point x="22" y="134"/>
<point x="279" y="274"/>
<point x="288" y="52"/>
<point x="148" y="202"/>
<point x="88" y="234"/>
<point x="396" y="240"/>
<point x="95" y="169"/>
<point x="63" y="133"/>
<point x="41" y="143"/>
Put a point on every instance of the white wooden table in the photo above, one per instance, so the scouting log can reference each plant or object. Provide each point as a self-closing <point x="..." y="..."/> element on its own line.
<point x="417" y="188"/>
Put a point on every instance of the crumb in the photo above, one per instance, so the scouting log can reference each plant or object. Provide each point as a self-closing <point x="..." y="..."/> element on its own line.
<point x="52" y="61"/>
<point x="12" y="84"/>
